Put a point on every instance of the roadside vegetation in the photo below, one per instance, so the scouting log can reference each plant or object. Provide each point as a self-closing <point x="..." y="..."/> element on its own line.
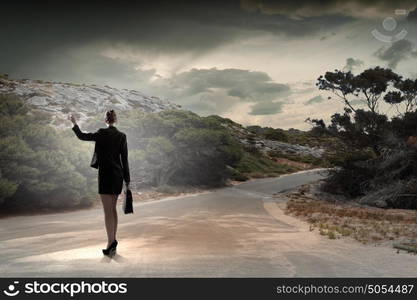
<point x="335" y="219"/>
<point x="40" y="167"/>
<point x="256" y="165"/>
<point x="377" y="166"/>
<point x="371" y="193"/>
<point x="171" y="152"/>
<point x="334" y="147"/>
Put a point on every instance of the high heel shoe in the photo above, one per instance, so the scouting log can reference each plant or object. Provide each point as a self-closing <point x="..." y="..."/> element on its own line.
<point x="111" y="250"/>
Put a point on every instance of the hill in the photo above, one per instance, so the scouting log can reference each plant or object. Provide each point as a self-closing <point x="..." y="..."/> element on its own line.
<point x="44" y="166"/>
<point x="58" y="99"/>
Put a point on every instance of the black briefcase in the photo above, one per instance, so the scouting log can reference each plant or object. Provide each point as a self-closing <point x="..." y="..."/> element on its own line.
<point x="128" y="202"/>
<point x="94" y="159"/>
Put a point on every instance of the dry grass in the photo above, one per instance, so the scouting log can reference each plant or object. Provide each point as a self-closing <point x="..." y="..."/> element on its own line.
<point x="363" y="223"/>
<point x="292" y="163"/>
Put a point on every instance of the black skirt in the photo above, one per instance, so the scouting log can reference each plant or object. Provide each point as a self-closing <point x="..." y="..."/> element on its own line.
<point x="110" y="181"/>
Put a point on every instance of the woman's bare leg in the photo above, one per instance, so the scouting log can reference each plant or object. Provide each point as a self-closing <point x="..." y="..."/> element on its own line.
<point x="114" y="210"/>
<point x="109" y="219"/>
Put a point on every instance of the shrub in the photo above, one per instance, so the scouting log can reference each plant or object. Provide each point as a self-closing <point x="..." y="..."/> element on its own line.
<point x="39" y="166"/>
<point x="179" y="147"/>
<point x="269" y="133"/>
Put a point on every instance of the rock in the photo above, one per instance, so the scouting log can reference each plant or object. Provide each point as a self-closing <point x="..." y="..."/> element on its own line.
<point x="247" y="138"/>
<point x="60" y="98"/>
<point x="269" y="145"/>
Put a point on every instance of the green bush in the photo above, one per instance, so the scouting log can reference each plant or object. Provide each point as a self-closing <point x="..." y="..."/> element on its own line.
<point x="308" y="159"/>
<point x="269" y="133"/>
<point x="376" y="165"/>
<point x="178" y="147"/>
<point x="39" y="166"/>
<point x="236" y="175"/>
<point x="251" y="165"/>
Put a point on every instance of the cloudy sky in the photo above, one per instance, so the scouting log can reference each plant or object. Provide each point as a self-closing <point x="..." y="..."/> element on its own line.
<point x="253" y="61"/>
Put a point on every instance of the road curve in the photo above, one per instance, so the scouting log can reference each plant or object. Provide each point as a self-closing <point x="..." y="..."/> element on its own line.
<point x="238" y="231"/>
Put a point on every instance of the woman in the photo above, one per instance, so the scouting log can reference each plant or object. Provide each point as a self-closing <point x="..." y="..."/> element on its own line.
<point x="111" y="159"/>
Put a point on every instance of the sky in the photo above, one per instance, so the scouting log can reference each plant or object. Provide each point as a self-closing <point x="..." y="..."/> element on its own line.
<point x="253" y="61"/>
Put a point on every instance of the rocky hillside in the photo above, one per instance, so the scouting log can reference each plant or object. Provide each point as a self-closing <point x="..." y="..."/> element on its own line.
<point x="264" y="145"/>
<point x="61" y="98"/>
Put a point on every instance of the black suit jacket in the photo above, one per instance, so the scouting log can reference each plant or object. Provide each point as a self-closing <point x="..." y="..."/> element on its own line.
<point x="110" y="150"/>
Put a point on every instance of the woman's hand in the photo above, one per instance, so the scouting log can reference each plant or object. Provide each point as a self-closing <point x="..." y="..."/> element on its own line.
<point x="72" y="118"/>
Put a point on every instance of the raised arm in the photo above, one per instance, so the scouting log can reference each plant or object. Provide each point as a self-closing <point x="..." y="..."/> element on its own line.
<point x="125" y="162"/>
<point x="85" y="136"/>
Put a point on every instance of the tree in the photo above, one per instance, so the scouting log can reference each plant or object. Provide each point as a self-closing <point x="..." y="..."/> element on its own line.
<point x="276" y="134"/>
<point x="341" y="84"/>
<point x="406" y="93"/>
<point x="368" y="86"/>
<point x="38" y="165"/>
<point x="371" y="84"/>
<point x="367" y="127"/>
<point x="387" y="175"/>
<point x="161" y="157"/>
<point x="180" y="147"/>
<point x="318" y="126"/>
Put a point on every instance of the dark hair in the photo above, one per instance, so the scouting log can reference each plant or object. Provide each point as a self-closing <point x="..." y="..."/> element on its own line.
<point x="111" y="116"/>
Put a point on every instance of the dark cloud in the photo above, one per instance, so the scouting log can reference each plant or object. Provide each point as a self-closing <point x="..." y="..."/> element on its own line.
<point x="314" y="100"/>
<point x="266" y="108"/>
<point x="86" y="66"/>
<point x="214" y="91"/>
<point x="352" y="64"/>
<point x="398" y="51"/>
<point x="250" y="86"/>
<point x="310" y="8"/>
<point x="35" y="30"/>
<point x="412" y="15"/>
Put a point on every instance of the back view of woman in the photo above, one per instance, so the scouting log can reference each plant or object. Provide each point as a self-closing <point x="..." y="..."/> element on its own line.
<point x="111" y="159"/>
